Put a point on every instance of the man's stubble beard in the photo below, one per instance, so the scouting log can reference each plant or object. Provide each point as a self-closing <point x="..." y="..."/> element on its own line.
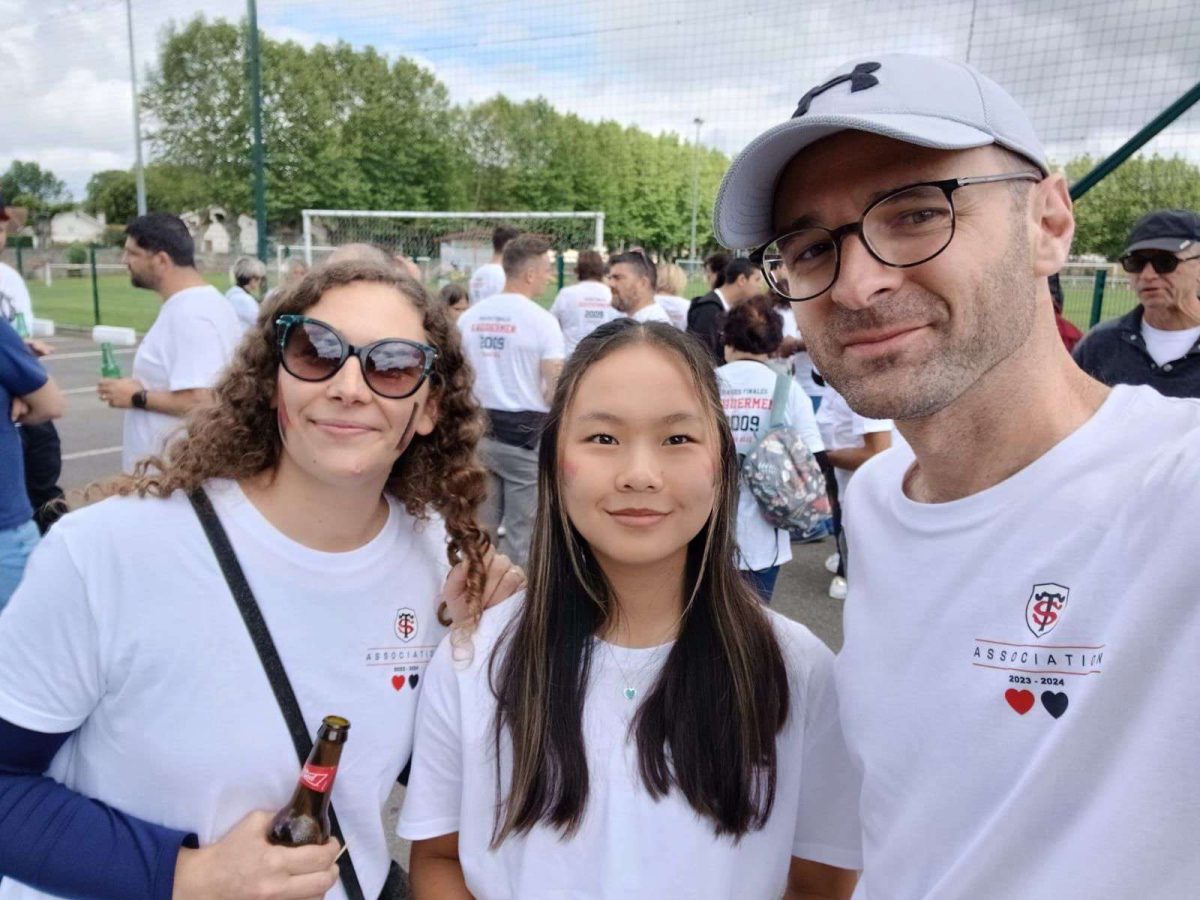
<point x="891" y="387"/>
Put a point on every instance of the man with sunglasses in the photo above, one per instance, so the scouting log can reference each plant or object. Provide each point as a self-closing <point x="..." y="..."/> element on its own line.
<point x="1019" y="679"/>
<point x="1158" y="342"/>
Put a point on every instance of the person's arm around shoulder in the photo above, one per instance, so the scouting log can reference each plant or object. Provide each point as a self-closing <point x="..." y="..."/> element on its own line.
<point x="436" y="871"/>
<point x="808" y="880"/>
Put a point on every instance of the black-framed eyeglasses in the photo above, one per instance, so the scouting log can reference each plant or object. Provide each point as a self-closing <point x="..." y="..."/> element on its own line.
<point x="907" y="227"/>
<point x="312" y="350"/>
<point x="1164" y="263"/>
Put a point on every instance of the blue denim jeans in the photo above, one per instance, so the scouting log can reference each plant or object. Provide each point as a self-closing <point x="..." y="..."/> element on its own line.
<point x="15" y="546"/>
<point x="763" y="582"/>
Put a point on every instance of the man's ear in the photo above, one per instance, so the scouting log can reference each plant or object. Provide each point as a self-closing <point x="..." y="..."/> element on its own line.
<point x="1052" y="225"/>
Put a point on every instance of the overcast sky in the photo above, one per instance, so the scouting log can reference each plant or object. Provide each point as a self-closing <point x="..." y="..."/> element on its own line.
<point x="1089" y="72"/>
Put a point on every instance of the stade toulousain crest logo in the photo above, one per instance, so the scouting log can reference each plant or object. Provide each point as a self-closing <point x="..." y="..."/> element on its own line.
<point x="406" y="624"/>
<point x="1043" y="612"/>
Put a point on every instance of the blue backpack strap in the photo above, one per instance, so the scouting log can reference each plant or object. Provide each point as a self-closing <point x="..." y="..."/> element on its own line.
<point x="783" y="386"/>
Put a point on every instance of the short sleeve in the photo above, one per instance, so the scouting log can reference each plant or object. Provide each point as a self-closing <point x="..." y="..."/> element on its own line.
<point x="50" y="668"/>
<point x="20" y="372"/>
<point x="803" y="419"/>
<point x="433" y="802"/>
<point x="828" y="828"/>
<point x="553" y="346"/>
<point x="198" y="354"/>
<point x="863" y="425"/>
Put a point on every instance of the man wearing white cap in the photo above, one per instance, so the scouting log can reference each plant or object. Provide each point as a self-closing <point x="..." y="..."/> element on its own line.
<point x="1019" y="678"/>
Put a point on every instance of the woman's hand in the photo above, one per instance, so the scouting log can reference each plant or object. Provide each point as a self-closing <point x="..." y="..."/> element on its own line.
<point x="244" y="865"/>
<point x="503" y="580"/>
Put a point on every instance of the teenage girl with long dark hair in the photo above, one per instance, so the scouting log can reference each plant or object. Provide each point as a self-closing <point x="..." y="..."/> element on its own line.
<point x="638" y="725"/>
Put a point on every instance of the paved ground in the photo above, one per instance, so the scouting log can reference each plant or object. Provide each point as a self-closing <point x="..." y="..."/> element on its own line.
<point x="91" y="442"/>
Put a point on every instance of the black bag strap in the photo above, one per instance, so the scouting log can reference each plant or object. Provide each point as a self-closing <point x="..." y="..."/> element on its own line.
<point x="269" y="656"/>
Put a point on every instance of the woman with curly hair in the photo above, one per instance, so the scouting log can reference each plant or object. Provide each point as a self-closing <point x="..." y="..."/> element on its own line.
<point x="142" y="748"/>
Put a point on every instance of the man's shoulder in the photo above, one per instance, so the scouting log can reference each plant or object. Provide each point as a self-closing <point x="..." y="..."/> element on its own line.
<point x="1111" y="330"/>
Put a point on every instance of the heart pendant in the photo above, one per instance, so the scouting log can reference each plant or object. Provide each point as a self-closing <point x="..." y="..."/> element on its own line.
<point x="630" y="693"/>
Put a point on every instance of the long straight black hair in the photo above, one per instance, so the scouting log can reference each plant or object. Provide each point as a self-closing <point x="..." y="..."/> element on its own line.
<point x="709" y="723"/>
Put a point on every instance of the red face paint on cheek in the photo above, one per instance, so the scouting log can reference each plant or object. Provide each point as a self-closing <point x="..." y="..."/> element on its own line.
<point x="570" y="470"/>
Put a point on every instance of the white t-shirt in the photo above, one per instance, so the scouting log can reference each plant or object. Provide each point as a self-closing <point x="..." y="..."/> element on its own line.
<point x="1168" y="346"/>
<point x="506" y="338"/>
<point x="485" y="281"/>
<point x="244" y="305"/>
<point x="651" y="312"/>
<point x="844" y="429"/>
<point x="747" y="388"/>
<point x="191" y="341"/>
<point x="1020" y="675"/>
<point x="676" y="307"/>
<point x="628" y="846"/>
<point x="125" y="632"/>
<point x="14" y="297"/>
<point x="582" y="308"/>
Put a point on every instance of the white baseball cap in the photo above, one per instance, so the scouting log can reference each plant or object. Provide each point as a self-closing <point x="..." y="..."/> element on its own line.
<point x="922" y="100"/>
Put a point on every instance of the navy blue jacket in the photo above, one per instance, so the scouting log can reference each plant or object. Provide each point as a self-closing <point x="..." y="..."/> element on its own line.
<point x="1115" y="352"/>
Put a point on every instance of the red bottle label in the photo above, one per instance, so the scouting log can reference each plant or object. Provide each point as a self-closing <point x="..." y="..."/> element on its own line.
<point x="318" y="778"/>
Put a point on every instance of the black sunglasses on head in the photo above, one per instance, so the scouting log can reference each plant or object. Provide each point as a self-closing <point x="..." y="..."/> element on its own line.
<point x="1164" y="263"/>
<point x="312" y="350"/>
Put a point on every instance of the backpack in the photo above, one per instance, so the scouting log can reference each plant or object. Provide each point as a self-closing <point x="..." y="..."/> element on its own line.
<point x="782" y="473"/>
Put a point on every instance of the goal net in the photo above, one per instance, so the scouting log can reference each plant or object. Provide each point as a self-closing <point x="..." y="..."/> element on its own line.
<point x="447" y="246"/>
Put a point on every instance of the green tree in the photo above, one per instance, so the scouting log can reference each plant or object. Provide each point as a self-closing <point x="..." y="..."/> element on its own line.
<point x="169" y="188"/>
<point x="1104" y="215"/>
<point x="28" y="184"/>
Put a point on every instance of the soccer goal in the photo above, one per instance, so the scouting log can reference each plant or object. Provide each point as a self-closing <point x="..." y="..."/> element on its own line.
<point x="447" y="245"/>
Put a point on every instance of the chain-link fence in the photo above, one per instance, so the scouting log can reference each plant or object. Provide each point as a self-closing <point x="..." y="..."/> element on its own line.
<point x="626" y="108"/>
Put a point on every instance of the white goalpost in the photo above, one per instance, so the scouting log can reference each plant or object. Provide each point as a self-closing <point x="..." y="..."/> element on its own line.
<point x="445" y="244"/>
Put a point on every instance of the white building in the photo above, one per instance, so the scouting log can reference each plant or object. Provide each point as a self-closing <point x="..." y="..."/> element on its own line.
<point x="77" y="227"/>
<point x="247" y="235"/>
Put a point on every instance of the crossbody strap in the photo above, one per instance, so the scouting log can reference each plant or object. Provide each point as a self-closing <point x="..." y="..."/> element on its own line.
<point x="269" y="656"/>
<point x="783" y="386"/>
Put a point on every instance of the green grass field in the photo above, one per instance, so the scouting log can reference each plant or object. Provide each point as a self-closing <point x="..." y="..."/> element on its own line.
<point x="69" y="301"/>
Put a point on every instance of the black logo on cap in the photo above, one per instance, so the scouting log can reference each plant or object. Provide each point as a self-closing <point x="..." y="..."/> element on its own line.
<point x="860" y="79"/>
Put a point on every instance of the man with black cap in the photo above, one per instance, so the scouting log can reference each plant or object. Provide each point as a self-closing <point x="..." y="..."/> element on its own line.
<point x="1158" y="342"/>
<point x="1019" y="678"/>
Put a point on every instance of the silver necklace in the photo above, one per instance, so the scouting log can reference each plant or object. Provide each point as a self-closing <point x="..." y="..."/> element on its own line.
<point x="630" y="691"/>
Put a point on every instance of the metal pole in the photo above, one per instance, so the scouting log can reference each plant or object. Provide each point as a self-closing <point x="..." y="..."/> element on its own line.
<point x="138" y="171"/>
<point x="1097" y="296"/>
<point x="260" y="186"/>
<point x="95" y="284"/>
<point x="695" y="187"/>
<point x="1135" y="143"/>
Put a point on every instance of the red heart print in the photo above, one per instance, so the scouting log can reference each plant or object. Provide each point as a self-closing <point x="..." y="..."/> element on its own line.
<point x="1021" y="701"/>
<point x="398" y="682"/>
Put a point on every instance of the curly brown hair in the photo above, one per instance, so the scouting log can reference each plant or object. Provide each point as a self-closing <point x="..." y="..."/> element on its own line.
<point x="236" y="436"/>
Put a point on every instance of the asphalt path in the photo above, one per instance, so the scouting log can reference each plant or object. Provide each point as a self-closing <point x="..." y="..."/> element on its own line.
<point x="91" y="445"/>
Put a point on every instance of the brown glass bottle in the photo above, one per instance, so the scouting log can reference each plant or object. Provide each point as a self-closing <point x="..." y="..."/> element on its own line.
<point x="305" y="820"/>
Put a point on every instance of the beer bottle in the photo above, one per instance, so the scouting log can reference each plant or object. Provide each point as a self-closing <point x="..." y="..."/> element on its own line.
<point x="108" y="362"/>
<point x="305" y="820"/>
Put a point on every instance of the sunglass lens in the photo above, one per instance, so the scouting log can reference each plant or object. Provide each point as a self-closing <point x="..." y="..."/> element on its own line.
<point x="395" y="369"/>
<point x="312" y="352"/>
<point x="1163" y="263"/>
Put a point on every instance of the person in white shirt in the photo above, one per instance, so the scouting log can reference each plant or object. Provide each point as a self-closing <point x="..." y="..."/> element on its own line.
<point x="1018" y="679"/>
<point x="490" y="278"/>
<point x="338" y="457"/>
<point x="632" y="278"/>
<point x="669" y="288"/>
<point x="292" y="271"/>
<point x="516" y="349"/>
<point x="248" y="275"/>
<point x="753" y="332"/>
<point x="583" y="307"/>
<point x="851" y="440"/>
<point x="182" y="355"/>
<point x="638" y="726"/>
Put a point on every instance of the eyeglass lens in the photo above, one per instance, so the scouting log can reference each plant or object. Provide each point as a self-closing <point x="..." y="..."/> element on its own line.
<point x="315" y="352"/>
<point x="904" y="229"/>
